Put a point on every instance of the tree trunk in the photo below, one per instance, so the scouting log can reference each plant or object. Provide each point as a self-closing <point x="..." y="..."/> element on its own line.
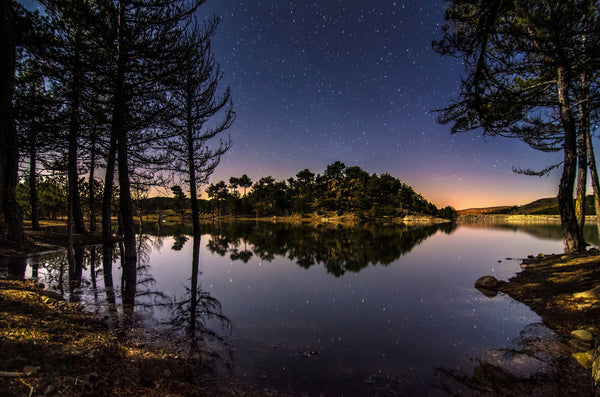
<point x="582" y="167"/>
<point x="572" y="238"/>
<point x="107" y="259"/>
<point x="107" y="236"/>
<point x="33" y="197"/>
<point x="91" y="186"/>
<point x="72" y="172"/>
<point x="128" y="225"/>
<point x="192" y="171"/>
<point x="9" y="150"/>
<point x="119" y="130"/>
<point x="584" y="110"/>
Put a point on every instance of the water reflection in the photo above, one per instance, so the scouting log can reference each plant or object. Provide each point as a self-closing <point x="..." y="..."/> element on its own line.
<point x="339" y="248"/>
<point x="88" y="275"/>
<point x="192" y="311"/>
<point x="548" y="230"/>
<point x="536" y="363"/>
<point x="401" y="305"/>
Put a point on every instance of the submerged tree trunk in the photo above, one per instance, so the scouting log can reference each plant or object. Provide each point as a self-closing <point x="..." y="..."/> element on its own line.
<point x="107" y="259"/>
<point x="9" y="151"/>
<point x="194" y="286"/>
<point x="126" y="211"/>
<point x="119" y="130"/>
<point x="572" y="237"/>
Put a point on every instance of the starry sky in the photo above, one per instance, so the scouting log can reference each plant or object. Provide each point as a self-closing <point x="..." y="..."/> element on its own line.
<point x="357" y="81"/>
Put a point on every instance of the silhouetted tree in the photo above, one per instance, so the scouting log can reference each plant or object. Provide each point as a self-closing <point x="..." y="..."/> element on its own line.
<point x="9" y="150"/>
<point x="245" y="182"/>
<point x="196" y="105"/>
<point x="522" y="62"/>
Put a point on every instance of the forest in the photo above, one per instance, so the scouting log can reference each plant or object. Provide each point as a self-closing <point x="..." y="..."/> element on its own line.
<point x="341" y="190"/>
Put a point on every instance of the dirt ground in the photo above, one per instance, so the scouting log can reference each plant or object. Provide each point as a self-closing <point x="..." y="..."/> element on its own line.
<point x="549" y="284"/>
<point x="49" y="347"/>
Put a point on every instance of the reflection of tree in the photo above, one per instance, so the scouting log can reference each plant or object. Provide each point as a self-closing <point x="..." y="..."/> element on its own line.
<point x="196" y="308"/>
<point x="146" y="296"/>
<point x="53" y="265"/>
<point x="339" y="248"/>
<point x="179" y="239"/>
<point x="76" y="273"/>
<point x="218" y="245"/>
<point x="537" y="364"/>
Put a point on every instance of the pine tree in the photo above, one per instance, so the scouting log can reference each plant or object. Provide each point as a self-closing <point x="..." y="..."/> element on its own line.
<point x="198" y="113"/>
<point x="522" y="62"/>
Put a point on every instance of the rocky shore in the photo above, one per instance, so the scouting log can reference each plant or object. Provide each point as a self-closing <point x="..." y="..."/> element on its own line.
<point x="564" y="290"/>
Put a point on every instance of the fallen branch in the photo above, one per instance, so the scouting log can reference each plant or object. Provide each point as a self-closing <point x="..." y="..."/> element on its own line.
<point x="7" y="374"/>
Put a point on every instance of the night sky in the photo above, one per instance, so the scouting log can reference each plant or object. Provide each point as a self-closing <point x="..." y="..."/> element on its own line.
<point x="357" y="81"/>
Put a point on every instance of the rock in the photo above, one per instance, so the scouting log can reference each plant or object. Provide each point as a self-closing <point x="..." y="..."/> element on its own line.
<point x="489" y="293"/>
<point x="582" y="334"/>
<point x="593" y="293"/>
<point x="488" y="282"/>
<point x="582" y="339"/>
<point x="488" y="285"/>
<point x="585" y="358"/>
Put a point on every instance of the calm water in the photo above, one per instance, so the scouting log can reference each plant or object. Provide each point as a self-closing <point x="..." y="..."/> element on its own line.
<point x="381" y="310"/>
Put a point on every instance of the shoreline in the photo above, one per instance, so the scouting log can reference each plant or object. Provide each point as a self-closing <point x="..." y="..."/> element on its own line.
<point x="47" y="240"/>
<point x="482" y="218"/>
<point x="564" y="290"/>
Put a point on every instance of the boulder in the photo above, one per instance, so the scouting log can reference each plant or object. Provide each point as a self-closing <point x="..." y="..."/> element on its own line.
<point x="488" y="282"/>
<point x="582" y="334"/>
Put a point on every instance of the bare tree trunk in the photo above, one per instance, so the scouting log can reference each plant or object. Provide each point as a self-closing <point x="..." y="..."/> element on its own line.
<point x="33" y="197"/>
<point x="9" y="151"/>
<point x="584" y="110"/>
<point x="572" y="238"/>
<point x="107" y="236"/>
<point x="192" y="171"/>
<point x="72" y="172"/>
<point x="91" y="185"/>
<point x="119" y="130"/>
<point x="582" y="167"/>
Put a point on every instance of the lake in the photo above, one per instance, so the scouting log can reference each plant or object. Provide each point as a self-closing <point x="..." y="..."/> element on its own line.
<point x="331" y="310"/>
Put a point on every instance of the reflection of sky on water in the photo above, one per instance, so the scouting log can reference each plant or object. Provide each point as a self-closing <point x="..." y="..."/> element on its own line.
<point x="401" y="320"/>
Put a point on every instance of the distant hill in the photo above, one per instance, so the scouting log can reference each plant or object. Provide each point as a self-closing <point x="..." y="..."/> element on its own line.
<point x="544" y="206"/>
<point x="480" y="211"/>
